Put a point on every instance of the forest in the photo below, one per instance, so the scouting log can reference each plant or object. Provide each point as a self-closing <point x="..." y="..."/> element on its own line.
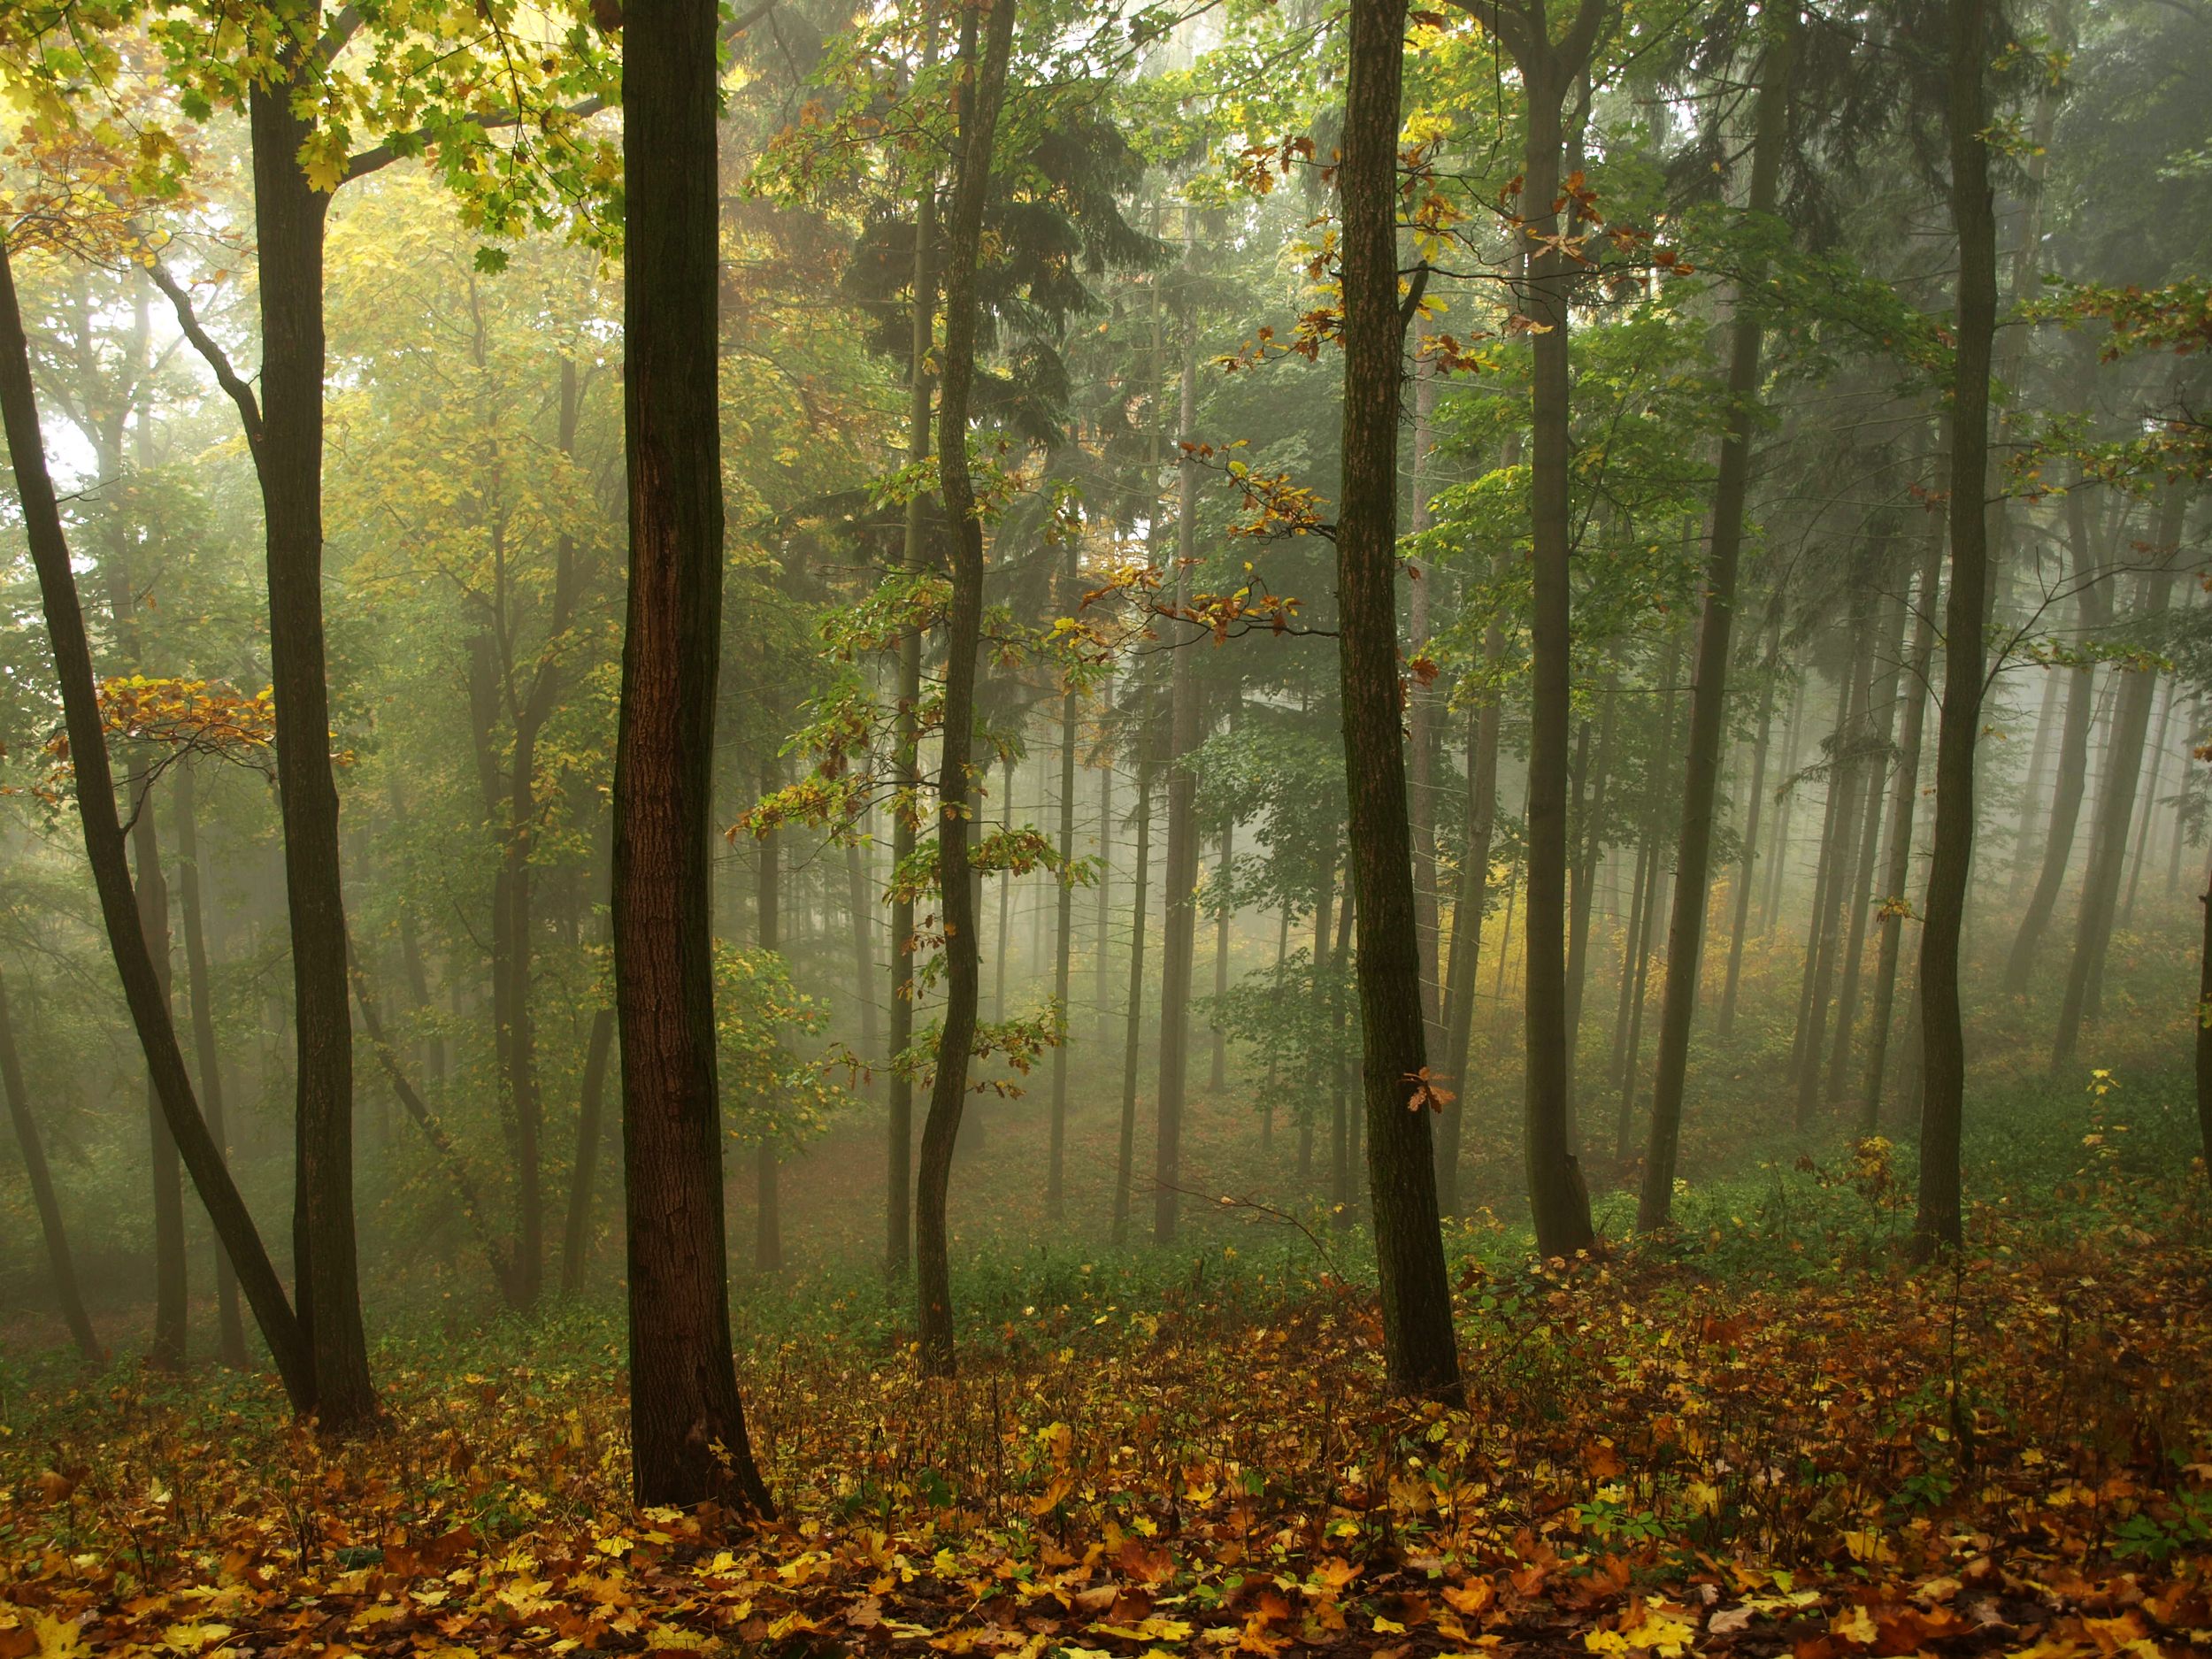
<point x="1092" y="828"/>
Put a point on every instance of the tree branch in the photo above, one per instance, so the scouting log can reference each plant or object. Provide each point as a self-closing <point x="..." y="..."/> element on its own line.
<point x="225" y="376"/>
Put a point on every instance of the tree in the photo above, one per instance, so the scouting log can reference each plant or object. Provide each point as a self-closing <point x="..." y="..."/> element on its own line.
<point x="688" y="1442"/>
<point x="980" y="93"/>
<point x="1420" y="1353"/>
<point x="1709" y="695"/>
<point x="1943" y="1048"/>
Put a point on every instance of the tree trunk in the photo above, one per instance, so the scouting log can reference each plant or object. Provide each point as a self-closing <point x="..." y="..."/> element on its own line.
<point x="1725" y="1027"/>
<point x="1064" y="942"/>
<point x="1339" y="1011"/>
<point x="859" y="901"/>
<point x="1839" y="839"/>
<point x="1897" y="880"/>
<point x="1778" y="859"/>
<point x="1132" y="1041"/>
<point x="200" y="992"/>
<point x="2093" y="607"/>
<point x="2047" y="721"/>
<point x="105" y="852"/>
<point x="1422" y="712"/>
<point x="1102" y="963"/>
<point x="2204" y="1046"/>
<point x="981" y="90"/>
<point x="899" y="1185"/>
<point x="170" y="1287"/>
<point x="1420" y="1354"/>
<point x="1709" y="696"/>
<point x="768" y="935"/>
<point x="687" y="1437"/>
<point x="58" y="1257"/>
<point x="1881" y="726"/>
<point x="1217" y="1073"/>
<point x="2101" y="883"/>
<point x="1586" y="820"/>
<point x="1467" y="914"/>
<point x="576" y="1233"/>
<point x="2150" y="801"/>
<point x="289" y="216"/>
<point x="1943" y="1046"/>
<point x="1558" y="1199"/>
<point x="1178" y="895"/>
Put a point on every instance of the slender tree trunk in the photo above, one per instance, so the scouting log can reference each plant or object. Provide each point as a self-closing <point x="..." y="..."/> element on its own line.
<point x="1943" y="1046"/>
<point x="1467" y="914"/>
<point x="1558" y="1199"/>
<point x="66" y="1293"/>
<point x="1849" y="779"/>
<point x="2094" y="609"/>
<point x="982" y="89"/>
<point x="200" y="993"/>
<point x="1217" y="1073"/>
<point x="590" y="1106"/>
<point x="858" y="900"/>
<point x="1340" y="966"/>
<point x="2047" y="721"/>
<point x="1005" y="898"/>
<point x="2203" y="1043"/>
<point x="1881" y="728"/>
<point x="1422" y="712"/>
<point x="899" y="1195"/>
<point x="688" y="1436"/>
<point x="1586" y="821"/>
<point x="1897" y="880"/>
<point x="170" y="1286"/>
<point x="2150" y="801"/>
<point x="1178" y="896"/>
<point x="1133" y="1038"/>
<point x="1709" y="696"/>
<point x="1778" y="859"/>
<point x="768" y="935"/>
<point x="1823" y="876"/>
<point x="1725" y="1027"/>
<point x="2116" y="805"/>
<point x="1064" y="942"/>
<point x="104" y="850"/>
<point x="1102" y="966"/>
<point x="289" y="221"/>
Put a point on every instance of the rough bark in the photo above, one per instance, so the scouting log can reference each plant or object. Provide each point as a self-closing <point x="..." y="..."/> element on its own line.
<point x="687" y="1437"/>
<point x="1420" y="1354"/>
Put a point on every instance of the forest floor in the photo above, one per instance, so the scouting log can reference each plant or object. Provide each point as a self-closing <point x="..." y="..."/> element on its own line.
<point x="1768" y="1433"/>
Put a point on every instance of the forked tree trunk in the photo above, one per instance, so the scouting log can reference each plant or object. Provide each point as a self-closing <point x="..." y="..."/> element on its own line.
<point x="688" y="1436"/>
<point x="982" y="91"/>
<point x="1943" y="1049"/>
<point x="50" y="1222"/>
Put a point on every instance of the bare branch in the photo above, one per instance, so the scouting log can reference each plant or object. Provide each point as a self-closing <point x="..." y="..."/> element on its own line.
<point x="217" y="359"/>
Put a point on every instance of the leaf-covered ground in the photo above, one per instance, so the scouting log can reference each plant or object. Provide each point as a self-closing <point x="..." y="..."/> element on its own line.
<point x="1815" y="1451"/>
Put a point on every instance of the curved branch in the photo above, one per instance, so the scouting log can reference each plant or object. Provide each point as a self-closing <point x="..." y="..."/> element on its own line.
<point x="217" y="359"/>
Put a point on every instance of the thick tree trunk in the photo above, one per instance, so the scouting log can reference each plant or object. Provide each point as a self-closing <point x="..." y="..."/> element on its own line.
<point x="199" y="991"/>
<point x="1709" y="696"/>
<point x="288" y="222"/>
<point x="64" y="1266"/>
<point x="1133" y="1036"/>
<point x="1943" y="1046"/>
<point x="1420" y="1354"/>
<point x="104" y="850"/>
<point x="687" y="1437"/>
<point x="982" y="89"/>
<point x="2093" y="613"/>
